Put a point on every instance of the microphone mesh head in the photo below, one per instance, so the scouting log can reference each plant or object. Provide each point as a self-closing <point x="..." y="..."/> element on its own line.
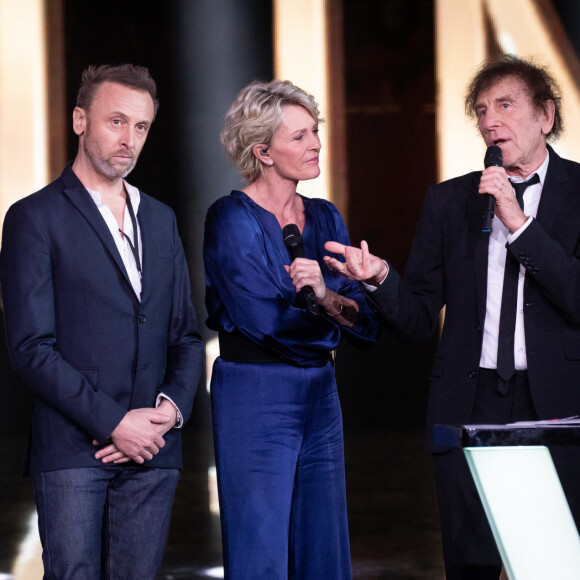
<point x="493" y="157"/>
<point x="292" y="235"/>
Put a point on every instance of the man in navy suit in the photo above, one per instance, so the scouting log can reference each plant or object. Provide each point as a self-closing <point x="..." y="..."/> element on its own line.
<point x="453" y="263"/>
<point x="100" y="324"/>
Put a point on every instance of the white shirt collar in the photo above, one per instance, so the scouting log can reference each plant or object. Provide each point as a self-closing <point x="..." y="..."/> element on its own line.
<point x="541" y="171"/>
<point x="130" y="189"/>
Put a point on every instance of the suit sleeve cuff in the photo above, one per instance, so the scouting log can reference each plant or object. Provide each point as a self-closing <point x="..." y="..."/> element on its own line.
<point x="371" y="287"/>
<point x="179" y="422"/>
<point x="512" y="237"/>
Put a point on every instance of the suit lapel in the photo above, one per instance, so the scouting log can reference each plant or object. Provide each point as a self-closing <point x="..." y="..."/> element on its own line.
<point x="479" y="246"/>
<point x="556" y="189"/>
<point x="80" y="198"/>
<point x="147" y="226"/>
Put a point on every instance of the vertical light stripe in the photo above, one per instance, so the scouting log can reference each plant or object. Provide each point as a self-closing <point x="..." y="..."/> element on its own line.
<point x="300" y="56"/>
<point x="459" y="49"/>
<point x="23" y="102"/>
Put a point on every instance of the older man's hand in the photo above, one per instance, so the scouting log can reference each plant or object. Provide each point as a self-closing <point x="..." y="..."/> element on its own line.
<point x="359" y="263"/>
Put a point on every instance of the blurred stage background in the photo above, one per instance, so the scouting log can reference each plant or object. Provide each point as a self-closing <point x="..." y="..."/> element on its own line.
<point x="389" y="76"/>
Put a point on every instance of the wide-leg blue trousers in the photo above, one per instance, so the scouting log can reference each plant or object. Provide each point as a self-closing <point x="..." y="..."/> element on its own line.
<point x="280" y="462"/>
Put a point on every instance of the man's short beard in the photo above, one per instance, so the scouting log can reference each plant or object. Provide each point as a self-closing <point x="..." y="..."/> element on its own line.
<point x="103" y="165"/>
<point x="100" y="162"/>
<point x="108" y="171"/>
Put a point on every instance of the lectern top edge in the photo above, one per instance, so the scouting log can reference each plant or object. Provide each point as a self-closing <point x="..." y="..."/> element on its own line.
<point x="544" y="433"/>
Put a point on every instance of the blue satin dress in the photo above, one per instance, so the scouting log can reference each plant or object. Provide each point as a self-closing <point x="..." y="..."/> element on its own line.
<point x="278" y="426"/>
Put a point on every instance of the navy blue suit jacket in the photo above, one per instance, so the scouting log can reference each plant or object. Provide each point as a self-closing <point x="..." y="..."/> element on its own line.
<point x="448" y="267"/>
<point x="76" y="331"/>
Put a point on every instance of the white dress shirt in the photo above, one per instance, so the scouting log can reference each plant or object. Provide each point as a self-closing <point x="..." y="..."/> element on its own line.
<point x="497" y="251"/>
<point x="121" y="241"/>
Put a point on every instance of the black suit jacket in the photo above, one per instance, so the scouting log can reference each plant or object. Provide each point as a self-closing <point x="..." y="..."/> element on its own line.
<point x="448" y="267"/>
<point x="76" y="331"/>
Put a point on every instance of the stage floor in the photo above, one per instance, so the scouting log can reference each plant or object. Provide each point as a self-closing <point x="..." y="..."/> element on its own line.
<point x="392" y="512"/>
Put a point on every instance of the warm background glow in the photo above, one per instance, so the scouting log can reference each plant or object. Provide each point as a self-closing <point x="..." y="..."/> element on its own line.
<point x="463" y="29"/>
<point x="23" y="98"/>
<point x="300" y="56"/>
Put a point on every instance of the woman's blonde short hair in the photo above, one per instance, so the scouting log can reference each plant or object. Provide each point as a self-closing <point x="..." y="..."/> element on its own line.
<point x="255" y="116"/>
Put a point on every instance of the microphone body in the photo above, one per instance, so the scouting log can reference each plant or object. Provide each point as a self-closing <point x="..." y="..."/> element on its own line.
<point x="295" y="245"/>
<point x="493" y="158"/>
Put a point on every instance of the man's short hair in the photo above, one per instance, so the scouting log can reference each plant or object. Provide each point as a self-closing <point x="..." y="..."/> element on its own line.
<point x="541" y="86"/>
<point x="129" y="75"/>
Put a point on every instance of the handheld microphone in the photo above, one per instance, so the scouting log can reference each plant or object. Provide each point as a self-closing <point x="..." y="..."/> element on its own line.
<point x="293" y="241"/>
<point x="493" y="158"/>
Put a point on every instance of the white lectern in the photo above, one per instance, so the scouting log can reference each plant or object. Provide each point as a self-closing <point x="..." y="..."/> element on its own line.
<point x="522" y="495"/>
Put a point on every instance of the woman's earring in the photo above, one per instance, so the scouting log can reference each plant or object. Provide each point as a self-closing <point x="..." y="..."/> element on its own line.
<point x="270" y="162"/>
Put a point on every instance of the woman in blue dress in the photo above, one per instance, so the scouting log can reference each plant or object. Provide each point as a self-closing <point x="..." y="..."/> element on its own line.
<point x="276" y="414"/>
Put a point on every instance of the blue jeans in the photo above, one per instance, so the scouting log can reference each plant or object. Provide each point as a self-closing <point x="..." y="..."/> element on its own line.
<point x="105" y="522"/>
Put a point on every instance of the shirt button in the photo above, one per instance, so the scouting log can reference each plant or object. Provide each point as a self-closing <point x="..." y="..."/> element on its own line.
<point x="142" y="318"/>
